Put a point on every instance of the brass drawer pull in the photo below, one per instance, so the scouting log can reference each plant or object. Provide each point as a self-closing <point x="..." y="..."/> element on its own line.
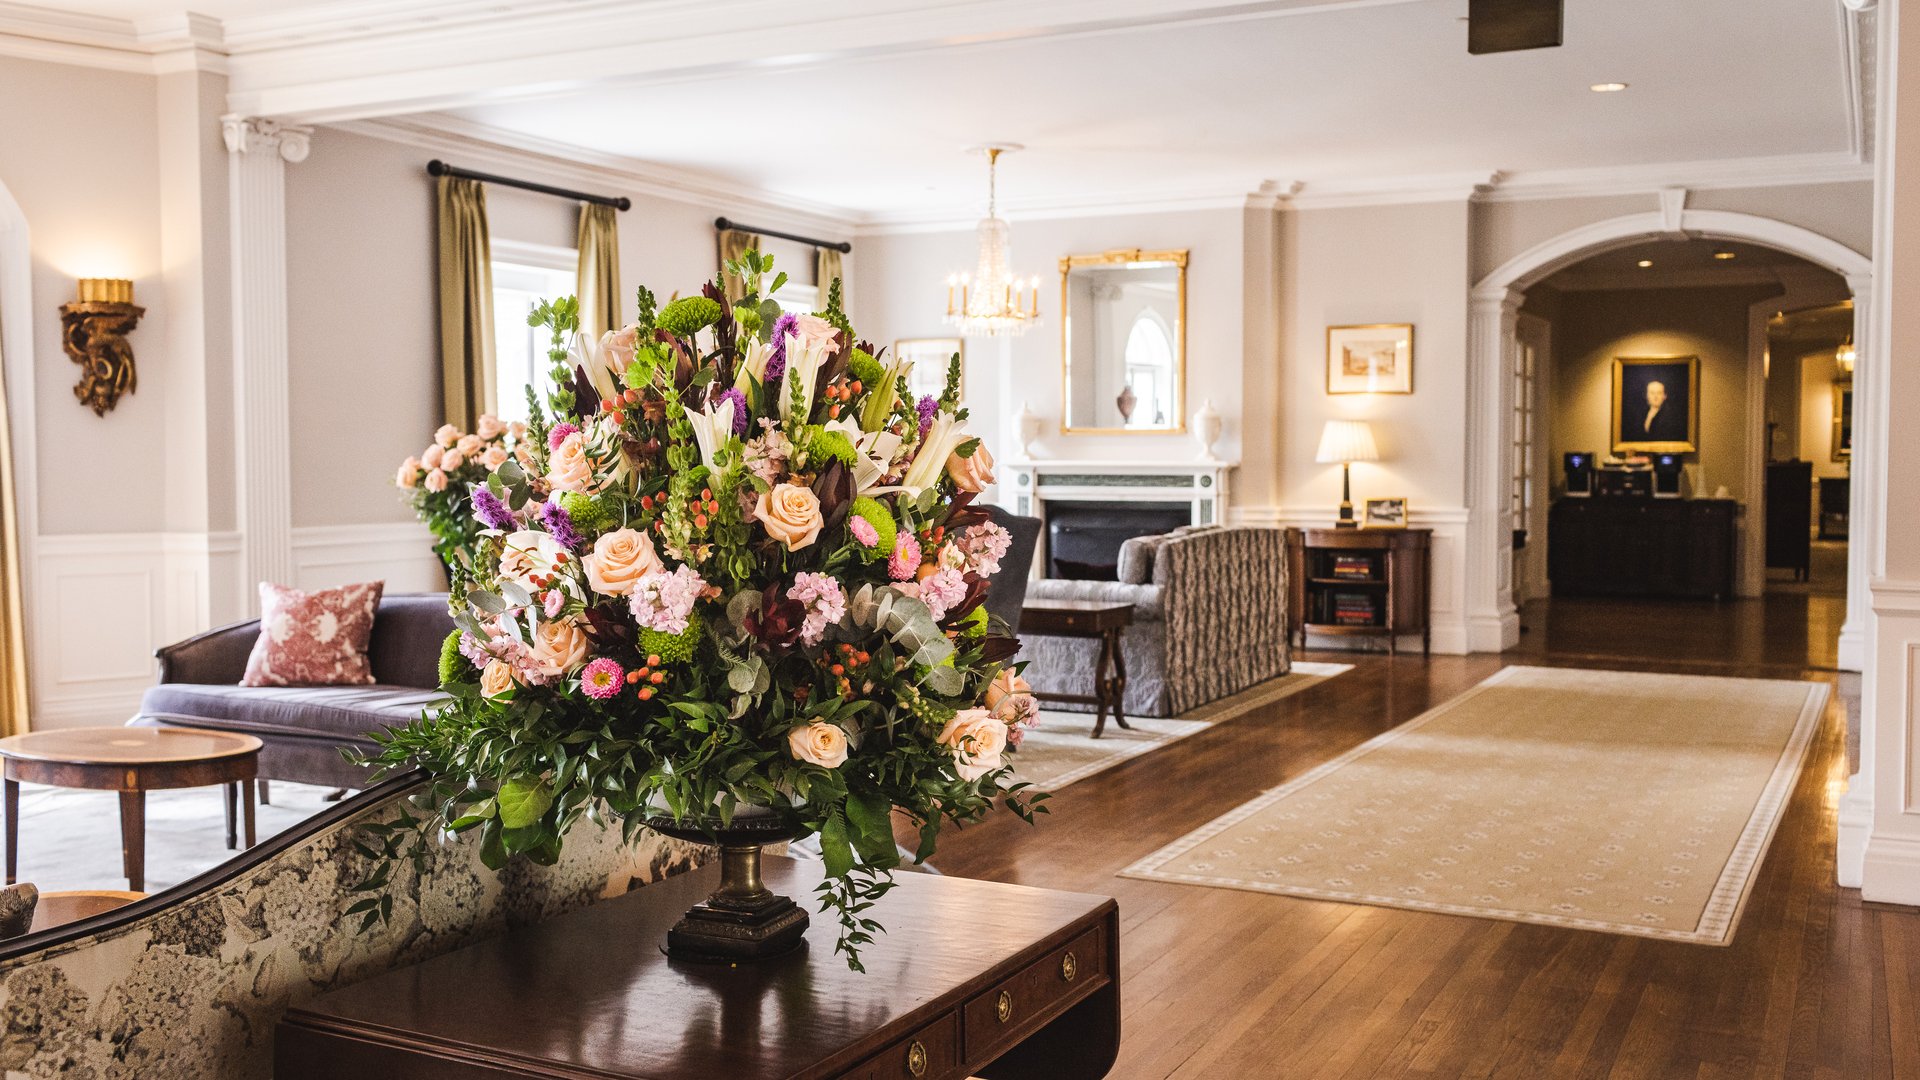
<point x="1069" y="967"/>
<point x="917" y="1058"/>
<point x="1004" y="1007"/>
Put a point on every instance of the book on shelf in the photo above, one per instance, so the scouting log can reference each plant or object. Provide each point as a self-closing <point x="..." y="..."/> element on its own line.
<point x="1352" y="566"/>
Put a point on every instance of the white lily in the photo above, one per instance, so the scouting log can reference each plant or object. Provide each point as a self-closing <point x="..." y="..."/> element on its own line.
<point x="586" y="355"/>
<point x="804" y="363"/>
<point x="712" y="427"/>
<point x="943" y="436"/>
<point x="874" y="451"/>
<point x="753" y="362"/>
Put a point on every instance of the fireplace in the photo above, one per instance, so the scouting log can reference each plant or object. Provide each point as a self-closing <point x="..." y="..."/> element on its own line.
<point x="1084" y="537"/>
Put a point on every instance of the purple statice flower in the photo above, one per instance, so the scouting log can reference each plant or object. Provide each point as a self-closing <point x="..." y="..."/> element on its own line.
<point x="491" y="511"/>
<point x="559" y="525"/>
<point x="825" y="601"/>
<point x="777" y="362"/>
<point x="928" y="407"/>
<point x="739" y="399"/>
<point x="558" y="434"/>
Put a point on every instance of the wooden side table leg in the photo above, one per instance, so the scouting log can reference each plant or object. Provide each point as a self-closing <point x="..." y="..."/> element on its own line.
<point x="1118" y="681"/>
<point x="1101" y="698"/>
<point x="133" y="838"/>
<point x="13" y="830"/>
<point x="265" y="795"/>
<point x="246" y="811"/>
<point x="231" y="789"/>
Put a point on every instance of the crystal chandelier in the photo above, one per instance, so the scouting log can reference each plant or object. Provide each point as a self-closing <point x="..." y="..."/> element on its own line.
<point x="991" y="302"/>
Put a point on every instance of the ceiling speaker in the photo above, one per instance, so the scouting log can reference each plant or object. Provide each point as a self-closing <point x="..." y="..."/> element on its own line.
<point x="1496" y="26"/>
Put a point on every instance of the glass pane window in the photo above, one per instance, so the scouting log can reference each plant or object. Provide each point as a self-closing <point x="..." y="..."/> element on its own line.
<point x="520" y="351"/>
<point x="1149" y="356"/>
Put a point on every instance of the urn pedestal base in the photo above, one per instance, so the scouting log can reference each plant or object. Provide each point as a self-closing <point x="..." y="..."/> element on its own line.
<point x="743" y="920"/>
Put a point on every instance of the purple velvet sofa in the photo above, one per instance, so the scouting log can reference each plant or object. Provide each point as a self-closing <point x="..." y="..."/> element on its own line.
<point x="305" y="727"/>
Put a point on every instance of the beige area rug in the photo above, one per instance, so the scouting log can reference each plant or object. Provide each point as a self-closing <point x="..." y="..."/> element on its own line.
<point x="1062" y="748"/>
<point x="1625" y="802"/>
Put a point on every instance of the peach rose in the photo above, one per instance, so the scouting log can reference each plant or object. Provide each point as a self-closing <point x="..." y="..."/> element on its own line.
<point x="560" y="646"/>
<point x="971" y="473"/>
<point x="568" y="468"/>
<point x="978" y="738"/>
<point x="518" y="430"/>
<point x="496" y="679"/>
<point x="818" y="743"/>
<point x="409" y="474"/>
<point x="447" y="435"/>
<point x="619" y="560"/>
<point x="495" y="457"/>
<point x="617" y="347"/>
<point x="814" y="332"/>
<point x="452" y="460"/>
<point x="431" y="459"/>
<point x="791" y="514"/>
<point x="1010" y="698"/>
<point x="489" y="427"/>
<point x="436" y="481"/>
<point x="469" y="445"/>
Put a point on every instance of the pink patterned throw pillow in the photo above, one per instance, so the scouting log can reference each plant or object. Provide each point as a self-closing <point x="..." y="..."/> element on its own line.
<point x="314" y="638"/>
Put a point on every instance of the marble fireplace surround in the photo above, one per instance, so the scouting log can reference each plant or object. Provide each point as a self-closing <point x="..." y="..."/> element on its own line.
<point x="1203" y="484"/>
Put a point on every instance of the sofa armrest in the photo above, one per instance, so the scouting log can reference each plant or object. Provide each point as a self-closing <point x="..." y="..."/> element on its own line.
<point x="1144" y="598"/>
<point x="217" y="656"/>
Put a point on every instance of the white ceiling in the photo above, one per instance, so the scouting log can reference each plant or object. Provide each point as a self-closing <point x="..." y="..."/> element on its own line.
<point x="1227" y="104"/>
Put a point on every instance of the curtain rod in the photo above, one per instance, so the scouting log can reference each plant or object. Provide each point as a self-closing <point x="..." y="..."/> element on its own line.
<point x="436" y="167"/>
<point x="842" y="246"/>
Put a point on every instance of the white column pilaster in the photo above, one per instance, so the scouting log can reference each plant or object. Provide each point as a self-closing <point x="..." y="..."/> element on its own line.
<point x="1493" y="624"/>
<point x="258" y="152"/>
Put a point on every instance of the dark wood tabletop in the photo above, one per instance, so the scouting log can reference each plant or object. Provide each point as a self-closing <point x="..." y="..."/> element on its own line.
<point x="1079" y="617"/>
<point x="971" y="977"/>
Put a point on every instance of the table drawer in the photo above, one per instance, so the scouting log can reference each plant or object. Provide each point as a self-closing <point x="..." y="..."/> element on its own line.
<point x="932" y="1053"/>
<point x="1008" y="1011"/>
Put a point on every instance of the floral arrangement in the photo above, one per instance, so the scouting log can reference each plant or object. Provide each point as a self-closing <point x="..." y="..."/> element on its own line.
<point x="732" y="563"/>
<point x="437" y="480"/>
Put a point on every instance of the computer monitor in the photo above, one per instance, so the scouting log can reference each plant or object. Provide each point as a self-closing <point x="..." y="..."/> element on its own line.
<point x="1579" y="467"/>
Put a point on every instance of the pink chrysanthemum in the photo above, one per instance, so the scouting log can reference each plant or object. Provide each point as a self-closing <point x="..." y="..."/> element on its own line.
<point x="863" y="531"/>
<point x="905" y="560"/>
<point x="602" y="678"/>
<point x="558" y="434"/>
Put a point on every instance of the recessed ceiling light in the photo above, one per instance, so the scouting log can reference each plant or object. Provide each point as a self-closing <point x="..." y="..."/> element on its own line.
<point x="1644" y="263"/>
<point x="1723" y="256"/>
<point x="1607" y="87"/>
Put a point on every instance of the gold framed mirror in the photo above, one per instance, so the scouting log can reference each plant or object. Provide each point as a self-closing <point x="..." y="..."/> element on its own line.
<point x="1123" y="342"/>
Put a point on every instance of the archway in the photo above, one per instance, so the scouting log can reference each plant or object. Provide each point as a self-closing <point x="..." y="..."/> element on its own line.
<point x="16" y="353"/>
<point x="1492" y="621"/>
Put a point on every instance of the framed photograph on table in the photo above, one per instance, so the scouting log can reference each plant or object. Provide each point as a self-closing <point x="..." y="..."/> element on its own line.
<point x="1384" y="513"/>
<point x="1656" y="404"/>
<point x="1376" y="359"/>
<point x="930" y="358"/>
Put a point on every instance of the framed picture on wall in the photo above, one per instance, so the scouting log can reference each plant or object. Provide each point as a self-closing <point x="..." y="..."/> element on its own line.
<point x="1375" y="359"/>
<point x="930" y="357"/>
<point x="1656" y="404"/>
<point x="1843" y="421"/>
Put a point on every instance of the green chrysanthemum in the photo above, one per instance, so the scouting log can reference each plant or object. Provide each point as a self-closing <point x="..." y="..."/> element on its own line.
<point x="454" y="666"/>
<point x="864" y="367"/>
<point x="873" y="513"/>
<point x="828" y="446"/>
<point x="590" y="513"/>
<point x="688" y="315"/>
<point x="671" y="648"/>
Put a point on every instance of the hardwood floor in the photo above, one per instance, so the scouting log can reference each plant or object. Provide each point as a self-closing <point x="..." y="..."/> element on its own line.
<point x="1219" y="983"/>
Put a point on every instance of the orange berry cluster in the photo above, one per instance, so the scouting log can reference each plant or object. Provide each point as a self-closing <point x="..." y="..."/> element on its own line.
<point x="647" y="678"/>
<point x="844" y="669"/>
<point x="839" y="394"/>
<point x="617" y="405"/>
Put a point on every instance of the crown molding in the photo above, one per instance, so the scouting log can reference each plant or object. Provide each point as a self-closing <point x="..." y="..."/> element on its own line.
<point x="159" y="46"/>
<point x="461" y="138"/>
<point x="1392" y="190"/>
<point x="1777" y="171"/>
<point x="1111" y="204"/>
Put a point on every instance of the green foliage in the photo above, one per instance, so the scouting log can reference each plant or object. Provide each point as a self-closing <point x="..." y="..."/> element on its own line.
<point x="671" y="648"/>
<point x="454" y="667"/>
<point x="689" y="315"/>
<point x="591" y="514"/>
<point x="861" y="365"/>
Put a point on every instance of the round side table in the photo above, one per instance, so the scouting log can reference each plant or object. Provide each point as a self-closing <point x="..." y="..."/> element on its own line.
<point x="131" y="761"/>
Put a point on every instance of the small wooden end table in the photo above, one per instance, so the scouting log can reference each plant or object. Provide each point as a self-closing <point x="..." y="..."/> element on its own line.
<point x="1102" y="620"/>
<point x="131" y="761"/>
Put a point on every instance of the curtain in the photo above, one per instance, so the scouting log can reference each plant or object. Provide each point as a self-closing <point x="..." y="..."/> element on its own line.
<point x="13" y="633"/>
<point x="733" y="244"/>
<point x="599" y="282"/>
<point x="826" y="271"/>
<point x="466" y="302"/>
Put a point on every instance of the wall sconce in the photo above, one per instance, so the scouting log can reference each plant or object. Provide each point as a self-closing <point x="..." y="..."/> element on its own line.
<point x="94" y="330"/>
<point x="1846" y="355"/>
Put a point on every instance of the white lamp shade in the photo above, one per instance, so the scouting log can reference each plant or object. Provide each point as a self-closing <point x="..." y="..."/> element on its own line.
<point x="1346" y="440"/>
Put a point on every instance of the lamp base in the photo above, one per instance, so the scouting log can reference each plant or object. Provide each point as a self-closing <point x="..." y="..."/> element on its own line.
<point x="1346" y="523"/>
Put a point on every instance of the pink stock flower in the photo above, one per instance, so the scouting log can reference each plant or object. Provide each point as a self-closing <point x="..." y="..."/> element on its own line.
<point x="941" y="590"/>
<point x="984" y="545"/>
<point x="825" y="601"/>
<point x="664" y="601"/>
<point x="602" y="678"/>
<point x="905" y="560"/>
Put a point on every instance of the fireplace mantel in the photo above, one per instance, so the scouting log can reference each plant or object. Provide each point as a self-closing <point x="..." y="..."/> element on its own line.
<point x="1200" y="483"/>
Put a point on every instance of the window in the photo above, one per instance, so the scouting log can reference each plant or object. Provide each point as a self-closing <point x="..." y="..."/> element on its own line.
<point x="1149" y="356"/>
<point x="799" y="298"/>
<point x="523" y="276"/>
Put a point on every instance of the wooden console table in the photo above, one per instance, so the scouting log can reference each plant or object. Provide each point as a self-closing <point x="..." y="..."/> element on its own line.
<point x="972" y="978"/>
<point x="1361" y="582"/>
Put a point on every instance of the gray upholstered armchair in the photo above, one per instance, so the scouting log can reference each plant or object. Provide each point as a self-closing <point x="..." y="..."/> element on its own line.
<point x="1209" y="620"/>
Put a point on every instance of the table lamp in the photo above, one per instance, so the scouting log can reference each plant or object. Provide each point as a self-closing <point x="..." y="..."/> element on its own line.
<point x="1345" y="442"/>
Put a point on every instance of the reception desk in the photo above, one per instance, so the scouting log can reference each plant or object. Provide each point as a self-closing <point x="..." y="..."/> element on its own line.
<point x="1670" y="548"/>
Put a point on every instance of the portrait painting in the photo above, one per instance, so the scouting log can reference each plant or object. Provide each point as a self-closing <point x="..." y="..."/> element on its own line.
<point x="1656" y="405"/>
<point x="1375" y="359"/>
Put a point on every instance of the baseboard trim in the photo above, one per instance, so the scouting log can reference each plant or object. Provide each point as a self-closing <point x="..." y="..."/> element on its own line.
<point x="1855" y="829"/>
<point x="1891" y="871"/>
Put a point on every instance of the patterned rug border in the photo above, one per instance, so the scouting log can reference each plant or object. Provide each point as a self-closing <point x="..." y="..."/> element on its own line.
<point x="1206" y="716"/>
<point x="1724" y="905"/>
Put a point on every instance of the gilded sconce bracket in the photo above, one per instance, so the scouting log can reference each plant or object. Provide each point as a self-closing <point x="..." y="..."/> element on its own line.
<point x="94" y="333"/>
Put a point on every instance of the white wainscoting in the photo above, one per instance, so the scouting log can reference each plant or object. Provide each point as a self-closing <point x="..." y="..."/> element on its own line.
<point x="99" y="604"/>
<point x="1448" y="613"/>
